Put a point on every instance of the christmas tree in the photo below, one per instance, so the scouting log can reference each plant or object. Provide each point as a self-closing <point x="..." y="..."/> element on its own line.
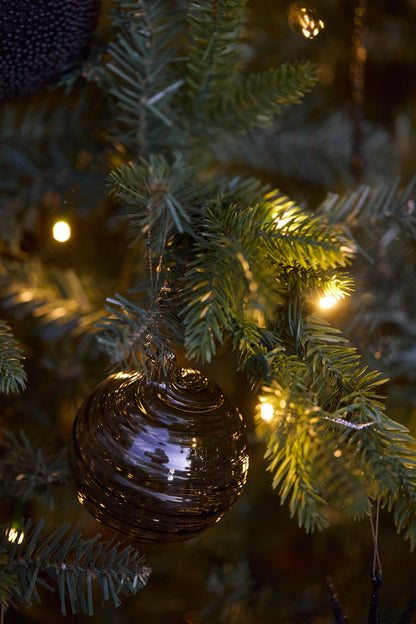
<point x="173" y="212"/>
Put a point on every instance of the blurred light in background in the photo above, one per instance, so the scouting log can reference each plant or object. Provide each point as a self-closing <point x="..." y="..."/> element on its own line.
<point x="304" y="20"/>
<point x="266" y="409"/>
<point x="61" y="231"/>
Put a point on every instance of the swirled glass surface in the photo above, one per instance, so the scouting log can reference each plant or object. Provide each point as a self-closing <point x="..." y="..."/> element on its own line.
<point x="158" y="460"/>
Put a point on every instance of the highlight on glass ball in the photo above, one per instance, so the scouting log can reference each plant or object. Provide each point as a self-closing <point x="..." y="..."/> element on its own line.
<point x="158" y="459"/>
<point x="304" y="20"/>
<point x="61" y="231"/>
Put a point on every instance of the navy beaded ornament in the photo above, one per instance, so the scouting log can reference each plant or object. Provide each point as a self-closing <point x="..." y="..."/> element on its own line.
<point x="159" y="459"/>
<point x="40" y="40"/>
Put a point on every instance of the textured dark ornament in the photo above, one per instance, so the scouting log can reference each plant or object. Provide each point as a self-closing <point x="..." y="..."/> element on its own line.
<point x="158" y="460"/>
<point x="40" y="40"/>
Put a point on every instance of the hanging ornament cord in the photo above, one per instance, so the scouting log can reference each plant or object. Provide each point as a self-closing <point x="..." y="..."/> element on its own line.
<point x="376" y="576"/>
<point x="155" y="289"/>
<point x="154" y="284"/>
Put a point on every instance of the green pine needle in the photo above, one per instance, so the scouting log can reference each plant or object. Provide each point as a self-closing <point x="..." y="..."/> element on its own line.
<point x="37" y="557"/>
<point x="262" y="96"/>
<point x="12" y="374"/>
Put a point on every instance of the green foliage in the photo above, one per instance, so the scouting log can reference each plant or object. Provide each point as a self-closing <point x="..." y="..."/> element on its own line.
<point x="28" y="469"/>
<point x="388" y="203"/>
<point x="58" y="299"/>
<point x="313" y="150"/>
<point x="240" y="270"/>
<point x="44" y="158"/>
<point x="261" y="96"/>
<point x="8" y="580"/>
<point x="176" y="77"/>
<point x="139" y="72"/>
<point x="159" y="197"/>
<point x="214" y="32"/>
<point x="382" y="221"/>
<point x="250" y="275"/>
<point x="132" y="334"/>
<point x="35" y="557"/>
<point x="329" y="432"/>
<point x="226" y="261"/>
<point x="12" y="374"/>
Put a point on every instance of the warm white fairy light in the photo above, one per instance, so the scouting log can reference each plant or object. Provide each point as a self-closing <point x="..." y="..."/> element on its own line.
<point x="282" y="221"/>
<point x="13" y="535"/>
<point x="61" y="231"/>
<point x="328" y="302"/>
<point x="266" y="410"/>
<point x="305" y="20"/>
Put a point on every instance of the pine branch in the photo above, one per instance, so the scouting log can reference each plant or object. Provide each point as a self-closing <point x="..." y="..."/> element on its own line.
<point x="36" y="556"/>
<point x="160" y="199"/>
<point x="56" y="299"/>
<point x="390" y="456"/>
<point x="215" y="30"/>
<point x="241" y="262"/>
<point x="254" y="347"/>
<point x="317" y="152"/>
<point x="382" y="221"/>
<point x="299" y="238"/>
<point x="262" y="96"/>
<point x="292" y="448"/>
<point x="221" y="271"/>
<point x="8" y="580"/>
<point x="132" y="334"/>
<point x="42" y="149"/>
<point x="339" y="382"/>
<point x="27" y="472"/>
<point x="140" y="73"/>
<point x="384" y="204"/>
<point x="329" y="431"/>
<point x="238" y="190"/>
<point x="12" y="374"/>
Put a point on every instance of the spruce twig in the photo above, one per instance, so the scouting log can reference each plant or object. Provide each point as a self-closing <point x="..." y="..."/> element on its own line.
<point x="12" y="374"/>
<point x="37" y="556"/>
<point x="27" y="471"/>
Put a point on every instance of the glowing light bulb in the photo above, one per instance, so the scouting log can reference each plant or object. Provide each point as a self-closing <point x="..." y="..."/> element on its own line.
<point x="327" y="302"/>
<point x="13" y="535"/>
<point x="61" y="231"/>
<point x="266" y="410"/>
<point x="282" y="221"/>
<point x="305" y="20"/>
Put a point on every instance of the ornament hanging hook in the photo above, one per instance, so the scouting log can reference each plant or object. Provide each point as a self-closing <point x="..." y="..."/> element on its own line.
<point x="374" y="525"/>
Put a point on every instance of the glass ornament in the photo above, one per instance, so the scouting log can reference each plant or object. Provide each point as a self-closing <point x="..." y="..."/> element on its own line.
<point x="40" y="40"/>
<point x="159" y="459"/>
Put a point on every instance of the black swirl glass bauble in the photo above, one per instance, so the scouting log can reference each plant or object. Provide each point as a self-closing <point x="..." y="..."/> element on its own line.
<point x="158" y="460"/>
<point x="40" y="40"/>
